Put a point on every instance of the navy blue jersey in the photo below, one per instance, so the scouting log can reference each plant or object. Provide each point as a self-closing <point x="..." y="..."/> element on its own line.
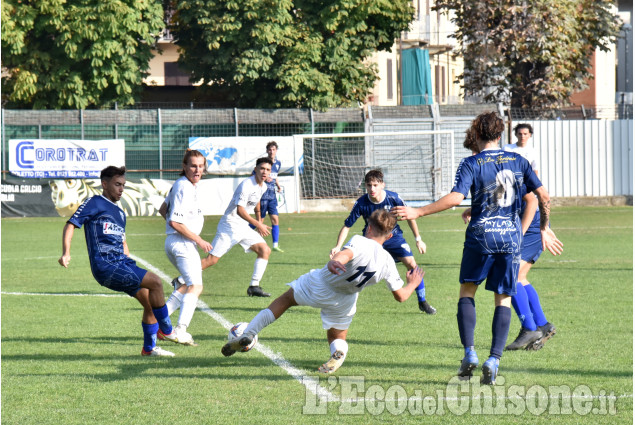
<point x="364" y="207"/>
<point x="495" y="180"/>
<point x="271" y="186"/>
<point x="105" y="232"/>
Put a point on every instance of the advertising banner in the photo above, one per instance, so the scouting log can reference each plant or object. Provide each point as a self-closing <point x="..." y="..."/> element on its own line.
<point x="63" y="158"/>
<point x="238" y="155"/>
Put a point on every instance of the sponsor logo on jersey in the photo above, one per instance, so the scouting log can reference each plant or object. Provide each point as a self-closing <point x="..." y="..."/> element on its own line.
<point x="113" y="229"/>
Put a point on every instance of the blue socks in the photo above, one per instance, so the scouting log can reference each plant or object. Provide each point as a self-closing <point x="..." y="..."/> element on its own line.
<point x="500" y="330"/>
<point x="149" y="336"/>
<point x="520" y="302"/>
<point x="421" y="291"/>
<point x="163" y="317"/>
<point x="466" y="318"/>
<point x="536" y="308"/>
<point x="275" y="233"/>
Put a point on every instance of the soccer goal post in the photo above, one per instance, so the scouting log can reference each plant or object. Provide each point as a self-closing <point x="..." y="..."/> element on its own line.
<point x="419" y="165"/>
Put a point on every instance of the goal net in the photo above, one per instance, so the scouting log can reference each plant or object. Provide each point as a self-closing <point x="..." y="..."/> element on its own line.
<point x="418" y="165"/>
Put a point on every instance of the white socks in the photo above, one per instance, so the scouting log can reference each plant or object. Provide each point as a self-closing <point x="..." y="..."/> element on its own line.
<point x="187" y="309"/>
<point x="259" y="269"/>
<point x="174" y="302"/>
<point x="339" y="345"/>
<point x="262" y="319"/>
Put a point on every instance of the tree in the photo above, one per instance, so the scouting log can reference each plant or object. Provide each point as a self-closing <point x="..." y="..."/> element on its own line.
<point x="76" y="53"/>
<point x="287" y="53"/>
<point x="534" y="54"/>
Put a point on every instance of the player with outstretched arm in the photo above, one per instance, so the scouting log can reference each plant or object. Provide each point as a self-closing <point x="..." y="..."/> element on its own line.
<point x="378" y="198"/>
<point x="491" y="251"/>
<point x="335" y="287"/>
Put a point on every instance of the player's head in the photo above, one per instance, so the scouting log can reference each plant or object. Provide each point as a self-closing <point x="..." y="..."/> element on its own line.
<point x="272" y="149"/>
<point x="374" y="181"/>
<point x="523" y="133"/>
<point x="488" y="126"/>
<point x="263" y="168"/>
<point x="194" y="165"/>
<point x="113" y="182"/>
<point x="470" y="140"/>
<point x="382" y="222"/>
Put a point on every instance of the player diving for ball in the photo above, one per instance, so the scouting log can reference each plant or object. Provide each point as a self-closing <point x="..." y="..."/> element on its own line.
<point x="335" y="287"/>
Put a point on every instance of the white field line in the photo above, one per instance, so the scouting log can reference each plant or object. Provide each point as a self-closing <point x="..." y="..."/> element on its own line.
<point x="298" y="374"/>
<point x="276" y="358"/>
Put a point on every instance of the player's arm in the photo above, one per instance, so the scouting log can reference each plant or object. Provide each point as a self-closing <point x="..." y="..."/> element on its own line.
<point x="413" y="279"/>
<point x="549" y="240"/>
<point x="338" y="261"/>
<point x="450" y="200"/>
<point x="341" y="237"/>
<point x="126" y="250"/>
<point x="421" y="245"/>
<point x="67" y="237"/>
<point x="164" y="210"/>
<point x="260" y="226"/>
<point x="531" y="203"/>
<point x="187" y="233"/>
<point x="257" y="215"/>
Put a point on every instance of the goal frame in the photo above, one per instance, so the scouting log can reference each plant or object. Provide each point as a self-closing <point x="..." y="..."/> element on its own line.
<point x="299" y="154"/>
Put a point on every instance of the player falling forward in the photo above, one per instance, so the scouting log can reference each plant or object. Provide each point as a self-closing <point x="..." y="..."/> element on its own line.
<point x="378" y="198"/>
<point x="105" y="231"/>
<point x="335" y="287"/>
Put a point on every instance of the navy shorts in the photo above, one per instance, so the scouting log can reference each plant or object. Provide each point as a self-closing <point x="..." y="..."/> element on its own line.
<point x="500" y="270"/>
<point x="531" y="247"/>
<point x="397" y="247"/>
<point x="268" y="206"/>
<point x="125" y="276"/>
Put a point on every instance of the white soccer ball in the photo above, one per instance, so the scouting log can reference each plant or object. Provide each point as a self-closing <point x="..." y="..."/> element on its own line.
<point x="237" y="331"/>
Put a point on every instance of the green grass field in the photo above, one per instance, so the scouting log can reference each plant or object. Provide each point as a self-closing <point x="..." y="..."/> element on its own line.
<point x="70" y="355"/>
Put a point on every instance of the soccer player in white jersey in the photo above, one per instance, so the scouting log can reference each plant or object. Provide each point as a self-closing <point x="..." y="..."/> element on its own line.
<point x="335" y="287"/>
<point x="105" y="230"/>
<point x="491" y="252"/>
<point x="184" y="222"/>
<point x="523" y="133"/>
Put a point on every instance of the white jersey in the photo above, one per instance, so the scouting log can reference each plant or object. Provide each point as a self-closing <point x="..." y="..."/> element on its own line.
<point x="183" y="207"/>
<point x="370" y="264"/>
<point x="527" y="152"/>
<point x="246" y="195"/>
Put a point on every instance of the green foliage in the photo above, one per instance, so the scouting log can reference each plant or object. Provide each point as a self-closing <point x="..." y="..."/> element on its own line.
<point x="78" y="53"/>
<point x="287" y="53"/>
<point x="537" y="53"/>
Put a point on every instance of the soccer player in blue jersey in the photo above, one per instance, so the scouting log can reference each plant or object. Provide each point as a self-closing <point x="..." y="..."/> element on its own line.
<point x="269" y="201"/>
<point x="379" y="198"/>
<point x="495" y="180"/>
<point x="535" y="330"/>
<point x="104" y="227"/>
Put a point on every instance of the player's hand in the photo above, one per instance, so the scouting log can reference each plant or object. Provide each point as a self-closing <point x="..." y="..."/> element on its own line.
<point x="64" y="260"/>
<point x="262" y="229"/>
<point x="204" y="245"/>
<point x="467" y="215"/>
<point x="333" y="252"/>
<point x="550" y="242"/>
<point x="404" y="213"/>
<point x="421" y="246"/>
<point x="336" y="267"/>
<point x="415" y="275"/>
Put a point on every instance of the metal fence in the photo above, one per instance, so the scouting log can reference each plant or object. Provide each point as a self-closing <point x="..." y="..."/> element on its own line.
<point x="156" y="138"/>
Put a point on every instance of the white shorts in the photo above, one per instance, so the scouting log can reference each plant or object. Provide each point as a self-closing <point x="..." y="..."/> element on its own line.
<point x="227" y="236"/>
<point x="336" y="309"/>
<point x="183" y="254"/>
